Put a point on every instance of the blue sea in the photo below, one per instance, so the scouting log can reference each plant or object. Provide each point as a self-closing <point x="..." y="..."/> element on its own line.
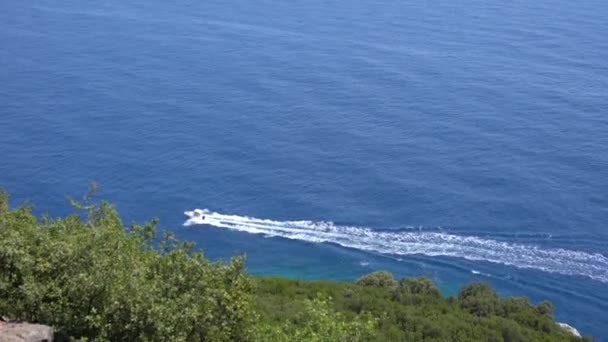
<point x="458" y="139"/>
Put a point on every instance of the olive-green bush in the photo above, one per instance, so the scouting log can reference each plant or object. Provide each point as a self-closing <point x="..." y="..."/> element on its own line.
<point x="414" y="310"/>
<point x="91" y="278"/>
<point x="378" y="279"/>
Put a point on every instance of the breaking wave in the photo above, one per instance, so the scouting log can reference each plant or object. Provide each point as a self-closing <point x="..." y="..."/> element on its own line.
<point x="430" y="243"/>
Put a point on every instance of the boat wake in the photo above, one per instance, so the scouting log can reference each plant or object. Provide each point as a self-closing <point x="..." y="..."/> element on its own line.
<point x="430" y="243"/>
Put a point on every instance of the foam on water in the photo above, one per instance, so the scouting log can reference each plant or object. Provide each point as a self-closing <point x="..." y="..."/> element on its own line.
<point x="562" y="261"/>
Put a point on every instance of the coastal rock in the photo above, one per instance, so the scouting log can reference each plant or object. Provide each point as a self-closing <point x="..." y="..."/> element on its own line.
<point x="25" y="332"/>
<point x="569" y="329"/>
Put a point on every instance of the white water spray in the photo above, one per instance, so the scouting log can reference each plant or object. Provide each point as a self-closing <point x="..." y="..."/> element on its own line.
<point x="562" y="261"/>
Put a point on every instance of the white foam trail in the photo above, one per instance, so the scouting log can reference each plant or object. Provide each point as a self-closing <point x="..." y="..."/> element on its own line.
<point x="476" y="272"/>
<point x="562" y="261"/>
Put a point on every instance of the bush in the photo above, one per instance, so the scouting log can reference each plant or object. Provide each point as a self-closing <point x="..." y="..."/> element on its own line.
<point x="512" y="333"/>
<point x="319" y="322"/>
<point x="414" y="291"/>
<point x="419" y="315"/>
<point x="480" y="299"/>
<point x="419" y="286"/>
<point x="377" y="279"/>
<point x="545" y="308"/>
<point x="94" y="279"/>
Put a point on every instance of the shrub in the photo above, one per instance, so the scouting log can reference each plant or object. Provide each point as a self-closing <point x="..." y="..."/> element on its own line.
<point x="94" y="279"/>
<point x="545" y="308"/>
<point x="377" y="279"/>
<point x="318" y="322"/>
<point x="480" y="299"/>
<point x="419" y="286"/>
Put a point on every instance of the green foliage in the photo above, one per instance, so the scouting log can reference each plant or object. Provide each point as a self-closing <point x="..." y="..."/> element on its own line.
<point x="92" y="278"/>
<point x="416" y="290"/>
<point x="3" y="201"/>
<point x="419" y="286"/>
<point x="378" y="279"/>
<point x="412" y="311"/>
<point x="480" y="299"/>
<point x="318" y="321"/>
<point x="545" y="308"/>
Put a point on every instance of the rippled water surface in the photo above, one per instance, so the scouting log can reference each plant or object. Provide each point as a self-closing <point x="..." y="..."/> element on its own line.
<point x="464" y="140"/>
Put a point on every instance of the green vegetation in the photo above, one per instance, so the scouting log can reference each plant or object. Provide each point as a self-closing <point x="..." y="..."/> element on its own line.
<point x="414" y="310"/>
<point x="91" y="277"/>
<point x="381" y="279"/>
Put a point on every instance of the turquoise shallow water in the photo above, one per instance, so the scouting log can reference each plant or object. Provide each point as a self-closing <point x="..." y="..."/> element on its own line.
<point x="464" y="140"/>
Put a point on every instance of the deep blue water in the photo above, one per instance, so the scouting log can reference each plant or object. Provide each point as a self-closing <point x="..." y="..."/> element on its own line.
<point x="464" y="140"/>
